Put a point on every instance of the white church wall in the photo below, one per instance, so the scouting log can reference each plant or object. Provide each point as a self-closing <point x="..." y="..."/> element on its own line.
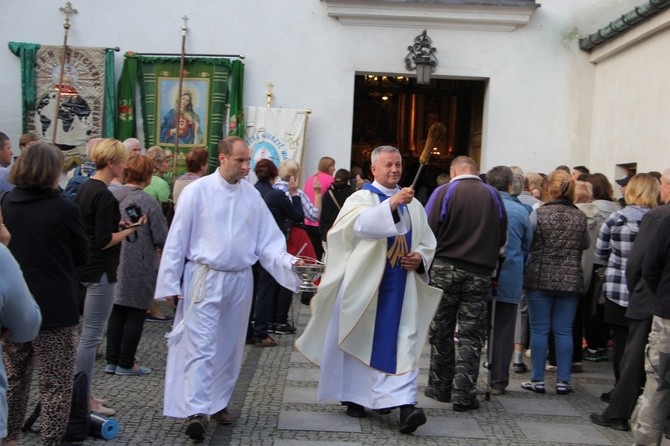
<point x="631" y="102"/>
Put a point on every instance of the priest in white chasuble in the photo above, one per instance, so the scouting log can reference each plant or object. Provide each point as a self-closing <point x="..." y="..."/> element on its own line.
<point x="371" y="314"/>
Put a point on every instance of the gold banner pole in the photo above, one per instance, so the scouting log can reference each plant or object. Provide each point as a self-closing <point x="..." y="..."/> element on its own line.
<point x="179" y="91"/>
<point x="68" y="10"/>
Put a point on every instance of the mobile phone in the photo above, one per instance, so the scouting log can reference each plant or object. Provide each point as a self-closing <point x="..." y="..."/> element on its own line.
<point x="134" y="212"/>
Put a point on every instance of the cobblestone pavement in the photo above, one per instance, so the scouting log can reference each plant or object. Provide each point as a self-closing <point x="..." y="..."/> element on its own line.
<point x="275" y="404"/>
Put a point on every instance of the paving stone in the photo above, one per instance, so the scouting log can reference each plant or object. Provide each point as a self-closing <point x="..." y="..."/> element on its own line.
<point x="572" y="433"/>
<point x="310" y="375"/>
<point x="451" y="427"/>
<point x="596" y="389"/>
<point x="540" y="406"/>
<point x="428" y="403"/>
<point x="300" y="395"/>
<point x="318" y="421"/>
<point x="297" y="357"/>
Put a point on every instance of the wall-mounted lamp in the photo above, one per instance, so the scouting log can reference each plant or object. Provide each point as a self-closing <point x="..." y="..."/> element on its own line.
<point x="421" y="58"/>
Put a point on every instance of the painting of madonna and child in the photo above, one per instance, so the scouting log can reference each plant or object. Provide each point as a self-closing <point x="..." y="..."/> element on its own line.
<point x="189" y="126"/>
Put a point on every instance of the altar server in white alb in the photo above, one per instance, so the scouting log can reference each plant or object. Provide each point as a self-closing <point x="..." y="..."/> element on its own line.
<point x="221" y="228"/>
<point x="371" y="314"/>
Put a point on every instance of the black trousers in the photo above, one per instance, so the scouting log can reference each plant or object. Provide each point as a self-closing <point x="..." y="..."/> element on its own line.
<point x="615" y="316"/>
<point x="632" y="376"/>
<point x="268" y="291"/>
<point x="124" y="331"/>
<point x="281" y="306"/>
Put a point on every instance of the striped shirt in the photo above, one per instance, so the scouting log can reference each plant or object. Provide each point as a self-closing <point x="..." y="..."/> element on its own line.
<point x="311" y="212"/>
<point x="615" y="240"/>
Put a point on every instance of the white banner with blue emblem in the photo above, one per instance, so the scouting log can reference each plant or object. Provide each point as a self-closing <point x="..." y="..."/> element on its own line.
<point x="277" y="134"/>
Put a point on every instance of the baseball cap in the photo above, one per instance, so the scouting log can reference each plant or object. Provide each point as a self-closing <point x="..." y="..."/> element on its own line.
<point x="624" y="181"/>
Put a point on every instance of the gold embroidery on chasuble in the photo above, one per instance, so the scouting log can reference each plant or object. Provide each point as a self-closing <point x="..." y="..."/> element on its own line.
<point x="397" y="250"/>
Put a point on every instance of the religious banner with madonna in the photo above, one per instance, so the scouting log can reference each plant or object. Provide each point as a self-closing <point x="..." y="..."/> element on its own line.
<point x="275" y="133"/>
<point x="189" y="115"/>
<point x="87" y="97"/>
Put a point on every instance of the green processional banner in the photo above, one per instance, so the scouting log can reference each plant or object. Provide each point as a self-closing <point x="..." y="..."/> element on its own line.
<point x="87" y="97"/>
<point x="202" y="105"/>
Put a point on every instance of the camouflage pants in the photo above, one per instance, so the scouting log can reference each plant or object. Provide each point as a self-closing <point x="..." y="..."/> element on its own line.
<point x="653" y="406"/>
<point x="463" y="300"/>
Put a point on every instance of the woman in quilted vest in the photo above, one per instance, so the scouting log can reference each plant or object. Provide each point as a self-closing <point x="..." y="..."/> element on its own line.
<point x="554" y="279"/>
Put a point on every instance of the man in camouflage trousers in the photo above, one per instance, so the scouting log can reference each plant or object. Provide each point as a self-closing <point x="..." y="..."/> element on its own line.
<point x="470" y="225"/>
<point x="653" y="406"/>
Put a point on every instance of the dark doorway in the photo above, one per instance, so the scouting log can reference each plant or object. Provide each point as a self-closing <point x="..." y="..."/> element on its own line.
<point x="394" y="110"/>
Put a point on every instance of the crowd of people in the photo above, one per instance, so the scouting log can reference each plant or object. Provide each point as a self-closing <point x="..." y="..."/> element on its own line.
<point x="523" y="263"/>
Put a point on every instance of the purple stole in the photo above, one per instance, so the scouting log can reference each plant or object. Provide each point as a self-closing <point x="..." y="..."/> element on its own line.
<point x="384" y="356"/>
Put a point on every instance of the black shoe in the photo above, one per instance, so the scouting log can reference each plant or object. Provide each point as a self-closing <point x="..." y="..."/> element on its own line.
<point x="306" y="298"/>
<point x="384" y="411"/>
<point x="355" y="410"/>
<point x="444" y="397"/>
<point x="605" y="397"/>
<point x="464" y="407"/>
<point x="594" y="355"/>
<point x="284" y="329"/>
<point x="519" y="367"/>
<point x="619" y="424"/>
<point x="410" y="418"/>
<point x="196" y="426"/>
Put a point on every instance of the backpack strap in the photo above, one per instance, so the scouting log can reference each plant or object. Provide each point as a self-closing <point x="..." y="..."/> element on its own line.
<point x="332" y="195"/>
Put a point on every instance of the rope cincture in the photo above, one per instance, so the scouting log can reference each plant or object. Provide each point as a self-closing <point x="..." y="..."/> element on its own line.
<point x="197" y="294"/>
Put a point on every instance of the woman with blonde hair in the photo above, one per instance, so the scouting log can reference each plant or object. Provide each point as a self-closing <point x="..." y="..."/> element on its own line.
<point x="311" y="208"/>
<point x="105" y="230"/>
<point x="615" y="240"/>
<point x="554" y="279"/>
<point x="317" y="183"/>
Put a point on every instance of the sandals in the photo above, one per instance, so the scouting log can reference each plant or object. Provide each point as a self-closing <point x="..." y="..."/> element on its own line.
<point x="266" y="342"/>
<point x="563" y="388"/>
<point x="534" y="386"/>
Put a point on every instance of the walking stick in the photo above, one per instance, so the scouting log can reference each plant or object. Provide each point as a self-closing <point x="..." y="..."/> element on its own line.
<point x="435" y="133"/>
<point x="492" y="326"/>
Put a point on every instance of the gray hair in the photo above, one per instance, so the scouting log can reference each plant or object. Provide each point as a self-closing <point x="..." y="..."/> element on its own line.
<point x="517" y="185"/>
<point x="130" y="142"/>
<point x="378" y="150"/>
<point x="666" y="175"/>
